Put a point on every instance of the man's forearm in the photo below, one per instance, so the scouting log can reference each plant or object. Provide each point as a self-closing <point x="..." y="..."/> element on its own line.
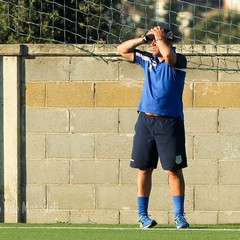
<point x="167" y="52"/>
<point x="126" y="48"/>
<point x="130" y="45"/>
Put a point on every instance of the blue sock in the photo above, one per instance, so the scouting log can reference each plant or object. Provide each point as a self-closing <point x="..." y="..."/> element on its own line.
<point x="178" y="202"/>
<point x="143" y="206"/>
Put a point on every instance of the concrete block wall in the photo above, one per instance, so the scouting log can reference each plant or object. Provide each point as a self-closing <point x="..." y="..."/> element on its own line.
<point x="80" y="117"/>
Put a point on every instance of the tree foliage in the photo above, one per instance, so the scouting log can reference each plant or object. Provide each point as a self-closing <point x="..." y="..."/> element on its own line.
<point x="210" y="24"/>
<point x="217" y="28"/>
<point x="26" y="22"/>
<point x="138" y="18"/>
<point x="111" y="21"/>
<point x="68" y="21"/>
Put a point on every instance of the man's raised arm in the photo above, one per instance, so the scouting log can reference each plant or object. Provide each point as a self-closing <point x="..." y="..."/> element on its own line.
<point x="126" y="49"/>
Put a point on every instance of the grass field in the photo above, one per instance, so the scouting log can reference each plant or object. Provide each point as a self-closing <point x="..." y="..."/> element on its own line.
<point x="116" y="232"/>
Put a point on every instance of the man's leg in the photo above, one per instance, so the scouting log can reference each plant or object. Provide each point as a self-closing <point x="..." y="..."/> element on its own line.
<point x="144" y="184"/>
<point x="177" y="186"/>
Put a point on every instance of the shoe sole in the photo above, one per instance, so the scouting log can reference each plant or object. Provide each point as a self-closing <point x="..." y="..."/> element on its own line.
<point x="183" y="227"/>
<point x="153" y="223"/>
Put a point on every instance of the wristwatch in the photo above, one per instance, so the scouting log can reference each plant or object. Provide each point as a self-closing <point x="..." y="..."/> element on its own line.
<point x="159" y="39"/>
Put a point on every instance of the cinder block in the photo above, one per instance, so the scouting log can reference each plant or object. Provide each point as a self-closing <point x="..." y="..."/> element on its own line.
<point x="202" y="217"/>
<point x="201" y="75"/>
<point x="189" y="204"/>
<point x="95" y="216"/>
<point x="130" y="216"/>
<point x="127" y="120"/>
<point x="226" y="63"/>
<point x="113" y="146"/>
<point x="115" y="197"/>
<point x="227" y="76"/>
<point x="49" y="215"/>
<point x="229" y="217"/>
<point x="70" y="94"/>
<point x="217" y="146"/>
<point x="92" y="69"/>
<point x="35" y="146"/>
<point x="195" y="74"/>
<point x="69" y="146"/>
<point x="47" y="120"/>
<point x="189" y="146"/>
<point x="47" y="69"/>
<point x="48" y="172"/>
<point x="201" y="120"/>
<point x="94" y="120"/>
<point x="11" y="49"/>
<point x="217" y="198"/>
<point x="229" y="120"/>
<point x="161" y="198"/>
<point x="130" y="72"/>
<point x="207" y="172"/>
<point x="36" y="197"/>
<point x="72" y="197"/>
<point x="229" y="172"/>
<point x="95" y="172"/>
<point x="124" y="94"/>
<point x="128" y="175"/>
<point x="188" y="95"/>
<point x="206" y="62"/>
<point x="35" y="94"/>
<point x="217" y="95"/>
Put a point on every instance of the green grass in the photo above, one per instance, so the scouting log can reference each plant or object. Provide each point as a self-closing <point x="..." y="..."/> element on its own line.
<point x="116" y="232"/>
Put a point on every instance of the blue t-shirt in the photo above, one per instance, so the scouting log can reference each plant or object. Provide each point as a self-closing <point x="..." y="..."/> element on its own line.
<point x="163" y="84"/>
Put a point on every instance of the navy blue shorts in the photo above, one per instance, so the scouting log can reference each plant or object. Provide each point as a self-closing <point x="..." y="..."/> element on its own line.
<point x="159" y="137"/>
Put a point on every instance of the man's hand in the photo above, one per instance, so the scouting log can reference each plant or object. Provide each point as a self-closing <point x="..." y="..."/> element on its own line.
<point x="158" y="32"/>
<point x="164" y="47"/>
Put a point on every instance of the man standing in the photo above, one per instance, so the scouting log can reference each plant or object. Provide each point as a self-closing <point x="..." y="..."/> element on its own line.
<point x="159" y="131"/>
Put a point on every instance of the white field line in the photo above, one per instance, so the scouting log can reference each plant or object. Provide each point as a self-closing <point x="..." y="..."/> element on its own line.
<point x="121" y="229"/>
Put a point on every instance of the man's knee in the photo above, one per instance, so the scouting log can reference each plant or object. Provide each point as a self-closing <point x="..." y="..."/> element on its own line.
<point x="175" y="173"/>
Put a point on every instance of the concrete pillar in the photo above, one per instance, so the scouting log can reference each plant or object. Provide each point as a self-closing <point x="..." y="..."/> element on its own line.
<point x="11" y="137"/>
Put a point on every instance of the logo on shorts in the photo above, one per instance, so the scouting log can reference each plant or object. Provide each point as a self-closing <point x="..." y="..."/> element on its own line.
<point x="178" y="159"/>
